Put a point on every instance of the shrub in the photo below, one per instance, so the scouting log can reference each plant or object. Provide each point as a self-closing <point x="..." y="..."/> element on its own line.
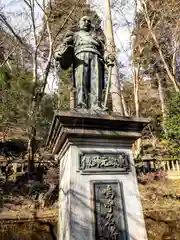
<point x="151" y="176"/>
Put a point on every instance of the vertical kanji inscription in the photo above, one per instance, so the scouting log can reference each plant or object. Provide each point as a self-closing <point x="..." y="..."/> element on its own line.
<point x="109" y="211"/>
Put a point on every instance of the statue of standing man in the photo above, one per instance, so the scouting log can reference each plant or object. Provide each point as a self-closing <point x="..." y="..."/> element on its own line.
<point x="85" y="50"/>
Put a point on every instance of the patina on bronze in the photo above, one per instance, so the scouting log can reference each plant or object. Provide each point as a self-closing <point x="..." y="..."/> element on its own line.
<point x="85" y="51"/>
<point x="110" y="220"/>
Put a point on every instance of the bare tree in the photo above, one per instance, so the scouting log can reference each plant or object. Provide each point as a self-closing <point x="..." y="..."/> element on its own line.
<point x="39" y="79"/>
<point x="151" y="13"/>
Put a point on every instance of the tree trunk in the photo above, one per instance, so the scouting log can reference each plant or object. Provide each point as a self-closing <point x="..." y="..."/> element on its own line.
<point x="126" y="113"/>
<point x="32" y="135"/>
<point x="111" y="49"/>
<point x="161" y="97"/>
<point x="169" y="72"/>
<point x="31" y="149"/>
<point x="4" y="133"/>
<point x="72" y="98"/>
<point x="171" y="76"/>
<point x="136" y="89"/>
<point x="136" y="72"/>
<point x="116" y="91"/>
<point x="137" y="144"/>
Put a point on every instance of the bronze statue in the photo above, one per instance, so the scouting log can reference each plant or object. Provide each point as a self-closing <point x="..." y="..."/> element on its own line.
<point x="85" y="51"/>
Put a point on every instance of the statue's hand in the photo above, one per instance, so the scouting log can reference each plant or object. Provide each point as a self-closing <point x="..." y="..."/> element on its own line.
<point x="101" y="40"/>
<point x="57" y="55"/>
<point x="69" y="33"/>
<point x="68" y="38"/>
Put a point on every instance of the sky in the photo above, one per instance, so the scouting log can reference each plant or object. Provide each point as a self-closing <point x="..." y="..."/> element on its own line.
<point x="123" y="19"/>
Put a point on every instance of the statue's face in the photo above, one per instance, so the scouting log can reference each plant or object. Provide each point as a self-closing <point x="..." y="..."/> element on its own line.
<point x="85" y="24"/>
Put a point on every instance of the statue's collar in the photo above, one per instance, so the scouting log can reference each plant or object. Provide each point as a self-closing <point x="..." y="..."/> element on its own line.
<point x="82" y="31"/>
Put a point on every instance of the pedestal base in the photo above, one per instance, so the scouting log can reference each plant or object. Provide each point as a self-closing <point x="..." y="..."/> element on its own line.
<point x="98" y="195"/>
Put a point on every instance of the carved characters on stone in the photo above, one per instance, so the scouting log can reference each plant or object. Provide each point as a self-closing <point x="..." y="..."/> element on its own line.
<point x="104" y="162"/>
<point x="110" y="223"/>
<point x="109" y="213"/>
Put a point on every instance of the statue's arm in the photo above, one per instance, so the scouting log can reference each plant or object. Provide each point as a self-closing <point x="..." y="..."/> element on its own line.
<point x="68" y="41"/>
<point x="101" y="41"/>
<point x="65" y="52"/>
<point x="69" y="38"/>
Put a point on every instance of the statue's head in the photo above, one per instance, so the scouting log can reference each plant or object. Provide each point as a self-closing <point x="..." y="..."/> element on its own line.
<point x="85" y="24"/>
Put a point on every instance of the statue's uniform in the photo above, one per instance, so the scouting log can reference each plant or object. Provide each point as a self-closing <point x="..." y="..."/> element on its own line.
<point x="88" y="70"/>
<point x="85" y="51"/>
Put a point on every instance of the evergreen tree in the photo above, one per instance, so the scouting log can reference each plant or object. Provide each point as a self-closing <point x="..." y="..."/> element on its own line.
<point x="172" y="125"/>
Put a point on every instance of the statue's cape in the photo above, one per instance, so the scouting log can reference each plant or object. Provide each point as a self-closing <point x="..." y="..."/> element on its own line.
<point x="65" y="56"/>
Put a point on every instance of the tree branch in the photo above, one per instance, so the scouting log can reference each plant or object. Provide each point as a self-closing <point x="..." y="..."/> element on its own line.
<point x="66" y="19"/>
<point x="169" y="73"/>
<point x="5" y="22"/>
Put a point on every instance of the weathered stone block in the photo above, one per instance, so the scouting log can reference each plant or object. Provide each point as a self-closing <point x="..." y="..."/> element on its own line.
<point x="98" y="195"/>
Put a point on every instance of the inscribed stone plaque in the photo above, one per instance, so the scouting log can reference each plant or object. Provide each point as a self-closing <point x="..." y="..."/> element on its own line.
<point x="104" y="162"/>
<point x="110" y="223"/>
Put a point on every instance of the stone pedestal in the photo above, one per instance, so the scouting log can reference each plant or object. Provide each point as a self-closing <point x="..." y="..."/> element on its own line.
<point x="98" y="194"/>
